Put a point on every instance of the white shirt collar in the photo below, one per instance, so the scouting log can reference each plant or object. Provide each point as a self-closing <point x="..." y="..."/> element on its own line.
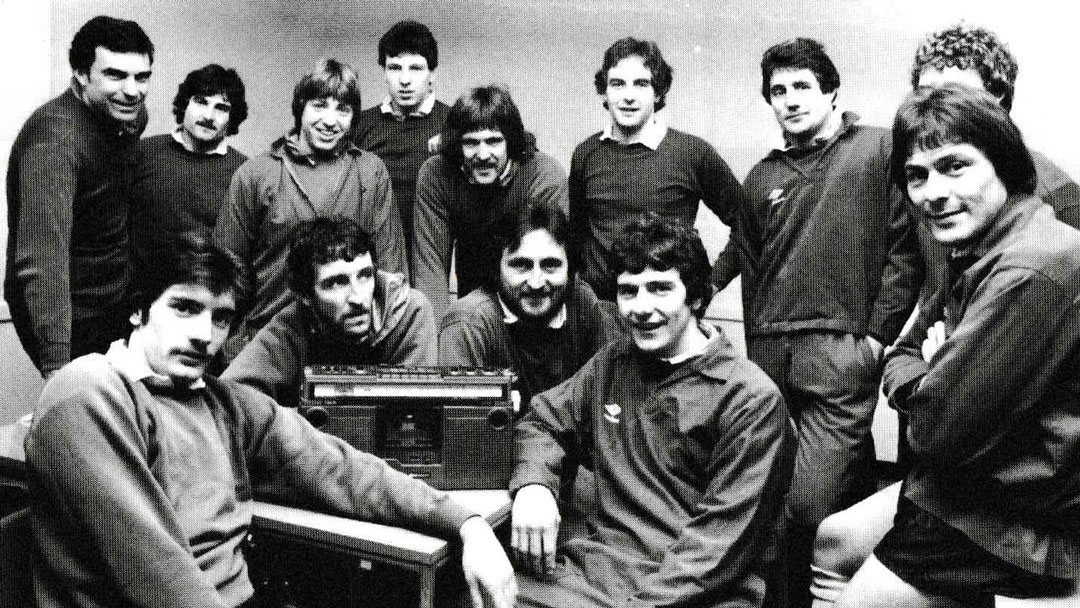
<point x="132" y="362"/>
<point x="710" y="336"/>
<point x="649" y="135"/>
<point x="823" y="136"/>
<point x="556" y="322"/>
<point x="420" y="111"/>
<point x="221" y="150"/>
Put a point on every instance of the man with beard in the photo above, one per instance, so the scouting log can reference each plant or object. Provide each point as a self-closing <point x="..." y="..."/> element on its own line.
<point x="346" y="311"/>
<point x="533" y="315"/>
<point x="489" y="168"/>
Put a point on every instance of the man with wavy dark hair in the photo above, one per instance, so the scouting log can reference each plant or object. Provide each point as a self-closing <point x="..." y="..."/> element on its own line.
<point x="638" y="164"/>
<point x="688" y="441"/>
<point x="183" y="178"/>
<point x="488" y="168"/>
<point x="68" y="190"/>
<point x="313" y="171"/>
<point x="403" y="130"/>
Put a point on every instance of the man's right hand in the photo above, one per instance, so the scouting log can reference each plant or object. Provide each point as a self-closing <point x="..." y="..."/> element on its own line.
<point x="534" y="528"/>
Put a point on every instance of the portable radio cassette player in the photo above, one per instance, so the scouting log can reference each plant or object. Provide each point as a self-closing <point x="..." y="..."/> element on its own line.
<point x="451" y="427"/>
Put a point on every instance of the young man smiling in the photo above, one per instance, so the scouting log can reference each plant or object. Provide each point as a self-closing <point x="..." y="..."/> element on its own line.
<point x="313" y="171"/>
<point x="831" y="271"/>
<point x="638" y="164"/>
<point x="68" y="190"/>
<point x="488" y="169"/>
<point x="347" y="311"/>
<point x="687" y="440"/>
<point x="148" y="501"/>
<point x="183" y="177"/>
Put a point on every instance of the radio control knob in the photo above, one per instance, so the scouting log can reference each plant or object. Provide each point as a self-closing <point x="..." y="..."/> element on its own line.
<point x="317" y="416"/>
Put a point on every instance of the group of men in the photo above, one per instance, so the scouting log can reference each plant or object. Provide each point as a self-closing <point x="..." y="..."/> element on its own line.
<point x="709" y="474"/>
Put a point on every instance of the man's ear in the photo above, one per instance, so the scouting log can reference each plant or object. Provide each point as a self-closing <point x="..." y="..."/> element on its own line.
<point x="835" y="94"/>
<point x="136" y="318"/>
<point x="82" y="77"/>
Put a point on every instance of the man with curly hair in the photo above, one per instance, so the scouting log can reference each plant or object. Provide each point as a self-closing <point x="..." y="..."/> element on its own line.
<point x="183" y="177"/>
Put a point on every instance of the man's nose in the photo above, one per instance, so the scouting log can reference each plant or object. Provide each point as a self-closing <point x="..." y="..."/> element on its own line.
<point x="356" y="293"/>
<point x="130" y="87"/>
<point x="201" y="330"/>
<point x="935" y="191"/>
<point x="536" y="279"/>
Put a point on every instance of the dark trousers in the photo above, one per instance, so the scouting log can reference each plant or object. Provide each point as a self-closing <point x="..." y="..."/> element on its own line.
<point x="89" y="335"/>
<point x="830" y="384"/>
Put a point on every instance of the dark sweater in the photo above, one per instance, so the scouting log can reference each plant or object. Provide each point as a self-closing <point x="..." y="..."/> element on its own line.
<point x="830" y="245"/>
<point x="69" y="192"/>
<point x="176" y="191"/>
<point x="403" y="147"/>
<point x="611" y="184"/>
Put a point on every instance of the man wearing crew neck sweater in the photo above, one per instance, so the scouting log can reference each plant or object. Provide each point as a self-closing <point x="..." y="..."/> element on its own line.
<point x="689" y="443"/>
<point x="403" y="130"/>
<point x="182" y="178"/>
<point x="639" y="164"/>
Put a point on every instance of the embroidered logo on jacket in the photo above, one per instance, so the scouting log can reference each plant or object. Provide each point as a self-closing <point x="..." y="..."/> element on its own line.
<point x="776" y="197"/>
<point x="611" y="412"/>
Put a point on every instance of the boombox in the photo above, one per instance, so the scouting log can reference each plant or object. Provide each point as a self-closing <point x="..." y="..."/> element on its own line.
<point x="451" y="427"/>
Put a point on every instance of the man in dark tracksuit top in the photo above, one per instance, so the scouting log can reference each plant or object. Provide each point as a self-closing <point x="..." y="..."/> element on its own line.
<point x="638" y="164"/>
<point x="403" y="130"/>
<point x="689" y="443"/>
<point x="992" y="503"/>
<point x="346" y="311"/>
<point x="69" y="194"/>
<point x="830" y="274"/>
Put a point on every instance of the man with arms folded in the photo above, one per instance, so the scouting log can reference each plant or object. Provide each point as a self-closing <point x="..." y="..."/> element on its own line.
<point x="992" y="503"/>
<point x="183" y="178"/>
<point x="69" y="196"/>
<point x="346" y="311"/>
<point x="533" y="315"/>
<point x="489" y="168"/>
<point x="638" y="164"/>
<point x="688" y="442"/>
<point x="403" y="130"/>
<point x="831" y="272"/>
<point x="141" y="466"/>
<point x="313" y="171"/>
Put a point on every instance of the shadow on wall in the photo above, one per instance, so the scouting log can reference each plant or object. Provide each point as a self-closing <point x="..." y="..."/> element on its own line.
<point x="20" y="384"/>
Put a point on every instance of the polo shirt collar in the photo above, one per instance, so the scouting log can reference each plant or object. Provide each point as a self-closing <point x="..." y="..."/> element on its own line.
<point x="556" y="322"/>
<point x="132" y="363"/>
<point x="221" y="150"/>
<point x="650" y="135"/>
<point x="420" y="111"/>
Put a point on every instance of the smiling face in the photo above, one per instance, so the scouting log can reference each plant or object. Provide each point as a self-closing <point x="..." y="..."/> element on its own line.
<point x="182" y="331"/>
<point x="630" y="96"/>
<point x="116" y="84"/>
<point x="343" y="295"/>
<point x="408" y="80"/>
<point x="802" y="109"/>
<point x="206" y="121"/>
<point x="662" y="322"/>
<point x="485" y="154"/>
<point x="956" y="190"/>
<point x="533" y="277"/>
<point x="324" y="123"/>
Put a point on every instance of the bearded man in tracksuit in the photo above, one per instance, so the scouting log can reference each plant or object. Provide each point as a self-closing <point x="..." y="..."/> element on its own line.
<point x="831" y="272"/>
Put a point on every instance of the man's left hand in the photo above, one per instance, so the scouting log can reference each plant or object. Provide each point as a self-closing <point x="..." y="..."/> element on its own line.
<point x="487" y="569"/>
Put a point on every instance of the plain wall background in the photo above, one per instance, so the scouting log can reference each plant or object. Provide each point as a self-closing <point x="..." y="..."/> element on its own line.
<point x="546" y="51"/>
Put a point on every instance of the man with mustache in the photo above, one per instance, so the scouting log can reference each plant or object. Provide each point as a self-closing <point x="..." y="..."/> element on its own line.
<point x="403" y="130"/>
<point x="69" y="196"/>
<point x="488" y="168"/>
<point x="689" y="443"/>
<point x="141" y="466"/>
<point x="346" y="311"/>
<point x="533" y="313"/>
<point x="638" y="164"/>
<point x="182" y="179"/>
<point x="830" y="272"/>
<point x="313" y="171"/>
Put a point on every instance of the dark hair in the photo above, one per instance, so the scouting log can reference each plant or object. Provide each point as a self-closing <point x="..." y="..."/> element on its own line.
<point x="213" y="80"/>
<point x="931" y="117"/>
<point x="409" y="37"/>
<point x="512" y="228"/>
<point x="330" y="78"/>
<point x="799" y="54"/>
<point x="320" y="241"/>
<point x="116" y="35"/>
<point x="487" y="107"/>
<point x="652" y="58"/>
<point x="651" y="241"/>
<point x="965" y="48"/>
<point x="193" y="259"/>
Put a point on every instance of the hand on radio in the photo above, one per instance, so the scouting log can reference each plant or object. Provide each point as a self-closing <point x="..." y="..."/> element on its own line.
<point x="487" y="571"/>
<point x="534" y="528"/>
